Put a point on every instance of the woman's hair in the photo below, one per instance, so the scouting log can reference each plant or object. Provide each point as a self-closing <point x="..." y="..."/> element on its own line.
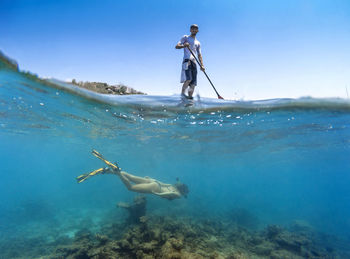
<point x="182" y="188"/>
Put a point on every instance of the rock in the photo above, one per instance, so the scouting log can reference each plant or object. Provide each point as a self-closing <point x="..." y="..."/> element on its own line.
<point x="263" y="249"/>
<point x="6" y="62"/>
<point x="143" y="219"/>
<point x="273" y="231"/>
<point x="291" y="242"/>
<point x="176" y="243"/>
<point x="301" y="226"/>
<point x="237" y="255"/>
<point x="124" y="245"/>
<point x="255" y="240"/>
<point x="278" y="254"/>
<point x="136" y="210"/>
<point x="104" y="88"/>
<point x="102" y="239"/>
<point x="169" y="252"/>
<point x="83" y="235"/>
<point x="150" y="246"/>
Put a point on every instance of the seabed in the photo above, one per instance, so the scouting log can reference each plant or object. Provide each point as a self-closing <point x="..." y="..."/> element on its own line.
<point x="142" y="235"/>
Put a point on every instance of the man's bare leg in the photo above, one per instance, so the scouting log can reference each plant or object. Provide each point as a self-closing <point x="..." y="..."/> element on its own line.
<point x="191" y="90"/>
<point x="184" y="86"/>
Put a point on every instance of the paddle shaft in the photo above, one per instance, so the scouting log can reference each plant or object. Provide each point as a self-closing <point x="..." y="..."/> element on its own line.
<point x="205" y="73"/>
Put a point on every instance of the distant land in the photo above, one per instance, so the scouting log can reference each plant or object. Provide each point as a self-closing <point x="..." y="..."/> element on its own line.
<point x="99" y="87"/>
<point x="104" y="88"/>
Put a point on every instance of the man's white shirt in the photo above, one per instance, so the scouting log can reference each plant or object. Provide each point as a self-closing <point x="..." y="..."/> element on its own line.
<point x="195" y="46"/>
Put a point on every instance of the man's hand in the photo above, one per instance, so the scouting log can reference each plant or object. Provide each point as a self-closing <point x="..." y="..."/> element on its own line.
<point x="182" y="46"/>
<point x="202" y="68"/>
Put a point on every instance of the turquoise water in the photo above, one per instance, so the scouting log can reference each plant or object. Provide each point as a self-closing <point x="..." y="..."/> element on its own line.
<point x="281" y="161"/>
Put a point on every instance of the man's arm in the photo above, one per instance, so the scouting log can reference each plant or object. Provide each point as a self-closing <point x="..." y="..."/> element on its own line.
<point x="201" y="60"/>
<point x="181" y="46"/>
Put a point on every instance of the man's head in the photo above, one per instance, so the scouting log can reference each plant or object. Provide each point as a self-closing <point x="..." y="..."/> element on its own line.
<point x="194" y="29"/>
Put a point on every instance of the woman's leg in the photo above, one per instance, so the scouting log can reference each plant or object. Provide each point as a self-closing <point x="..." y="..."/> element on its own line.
<point x="146" y="187"/>
<point x="149" y="187"/>
<point x="125" y="181"/>
<point x="135" y="179"/>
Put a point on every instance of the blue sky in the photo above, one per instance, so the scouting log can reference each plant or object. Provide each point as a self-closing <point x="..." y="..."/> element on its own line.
<point x="252" y="49"/>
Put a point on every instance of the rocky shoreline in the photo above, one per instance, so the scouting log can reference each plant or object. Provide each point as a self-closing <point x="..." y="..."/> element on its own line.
<point x="103" y="88"/>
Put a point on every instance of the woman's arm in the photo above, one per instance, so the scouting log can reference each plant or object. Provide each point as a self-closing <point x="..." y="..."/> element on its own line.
<point x="164" y="184"/>
<point x="168" y="195"/>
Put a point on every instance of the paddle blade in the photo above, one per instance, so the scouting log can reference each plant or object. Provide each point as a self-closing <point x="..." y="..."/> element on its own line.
<point x="220" y="97"/>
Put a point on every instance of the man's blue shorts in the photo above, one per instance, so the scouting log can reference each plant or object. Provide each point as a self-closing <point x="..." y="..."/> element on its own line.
<point x="191" y="72"/>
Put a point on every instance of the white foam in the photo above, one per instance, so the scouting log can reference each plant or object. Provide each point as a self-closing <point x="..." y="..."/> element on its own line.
<point x="203" y="103"/>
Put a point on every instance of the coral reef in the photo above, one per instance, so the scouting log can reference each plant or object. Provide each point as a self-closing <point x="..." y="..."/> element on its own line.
<point x="170" y="238"/>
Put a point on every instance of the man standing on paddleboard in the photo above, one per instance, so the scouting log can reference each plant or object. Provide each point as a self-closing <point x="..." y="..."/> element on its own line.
<point x="189" y="68"/>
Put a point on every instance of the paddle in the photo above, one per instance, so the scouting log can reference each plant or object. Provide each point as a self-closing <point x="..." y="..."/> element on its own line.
<point x="219" y="97"/>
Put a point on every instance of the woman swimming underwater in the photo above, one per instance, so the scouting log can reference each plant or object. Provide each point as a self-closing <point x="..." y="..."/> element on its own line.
<point x="141" y="184"/>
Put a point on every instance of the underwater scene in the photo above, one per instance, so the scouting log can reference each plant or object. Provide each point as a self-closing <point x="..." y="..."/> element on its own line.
<point x="266" y="179"/>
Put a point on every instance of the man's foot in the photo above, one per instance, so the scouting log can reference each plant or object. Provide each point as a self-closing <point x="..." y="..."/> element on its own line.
<point x="186" y="96"/>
